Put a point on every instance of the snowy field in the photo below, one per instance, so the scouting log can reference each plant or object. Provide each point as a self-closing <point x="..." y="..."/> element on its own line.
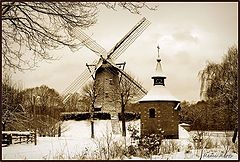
<point x="76" y="143"/>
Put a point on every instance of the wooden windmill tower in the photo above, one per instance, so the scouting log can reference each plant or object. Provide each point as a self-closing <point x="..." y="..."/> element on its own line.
<point x="104" y="71"/>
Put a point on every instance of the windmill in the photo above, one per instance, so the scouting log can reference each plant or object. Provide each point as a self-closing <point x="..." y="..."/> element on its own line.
<point x="104" y="71"/>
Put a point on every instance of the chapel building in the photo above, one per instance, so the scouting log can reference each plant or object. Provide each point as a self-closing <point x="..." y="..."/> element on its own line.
<point x="159" y="108"/>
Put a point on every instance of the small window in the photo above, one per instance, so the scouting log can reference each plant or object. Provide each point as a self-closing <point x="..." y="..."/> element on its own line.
<point x="111" y="81"/>
<point x="158" y="81"/>
<point x="151" y="113"/>
<point x="106" y="94"/>
<point x="97" y="109"/>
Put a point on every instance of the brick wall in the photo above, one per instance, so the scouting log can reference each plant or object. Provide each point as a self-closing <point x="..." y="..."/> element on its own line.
<point x="166" y="118"/>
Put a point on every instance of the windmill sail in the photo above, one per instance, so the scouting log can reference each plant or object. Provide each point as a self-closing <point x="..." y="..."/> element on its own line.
<point x="78" y="83"/>
<point x="88" y="41"/>
<point x="128" y="39"/>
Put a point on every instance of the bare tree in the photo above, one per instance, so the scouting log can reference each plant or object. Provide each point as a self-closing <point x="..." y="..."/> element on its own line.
<point x="91" y="91"/>
<point x="13" y="113"/>
<point x="127" y="92"/>
<point x="48" y="107"/>
<point x="219" y="85"/>
<point x="85" y="104"/>
<point x="31" y="29"/>
<point x="73" y="103"/>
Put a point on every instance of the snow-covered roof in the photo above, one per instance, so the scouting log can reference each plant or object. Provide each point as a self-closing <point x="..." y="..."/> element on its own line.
<point x="158" y="93"/>
<point x="17" y="132"/>
<point x="184" y="124"/>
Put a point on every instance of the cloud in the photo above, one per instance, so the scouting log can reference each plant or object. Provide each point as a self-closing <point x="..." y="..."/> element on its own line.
<point x="185" y="36"/>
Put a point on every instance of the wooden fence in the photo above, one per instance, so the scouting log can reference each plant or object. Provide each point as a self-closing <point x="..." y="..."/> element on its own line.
<point x="15" y="137"/>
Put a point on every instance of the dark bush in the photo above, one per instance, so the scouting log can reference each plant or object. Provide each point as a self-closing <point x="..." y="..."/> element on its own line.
<point x="129" y="116"/>
<point x="97" y="115"/>
<point x="101" y="116"/>
<point x="84" y="116"/>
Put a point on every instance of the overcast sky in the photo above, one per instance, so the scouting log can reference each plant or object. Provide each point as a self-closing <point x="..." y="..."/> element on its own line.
<point x="189" y="34"/>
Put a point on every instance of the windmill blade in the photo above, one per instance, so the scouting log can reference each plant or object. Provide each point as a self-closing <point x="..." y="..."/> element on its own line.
<point x="78" y="83"/>
<point x="73" y="86"/>
<point x="128" y="39"/>
<point x="88" y="41"/>
<point x="138" y="93"/>
<point x="138" y="85"/>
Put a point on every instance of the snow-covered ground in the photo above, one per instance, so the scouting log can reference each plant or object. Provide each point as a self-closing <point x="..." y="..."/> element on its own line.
<point x="76" y="143"/>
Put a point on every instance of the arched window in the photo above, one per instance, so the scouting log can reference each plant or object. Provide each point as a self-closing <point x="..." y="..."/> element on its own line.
<point x="152" y="113"/>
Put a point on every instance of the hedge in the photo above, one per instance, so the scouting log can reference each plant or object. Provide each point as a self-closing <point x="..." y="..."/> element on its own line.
<point x="84" y="116"/>
<point x="97" y="115"/>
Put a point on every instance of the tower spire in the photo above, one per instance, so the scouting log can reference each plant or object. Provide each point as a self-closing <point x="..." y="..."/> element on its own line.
<point x="158" y="77"/>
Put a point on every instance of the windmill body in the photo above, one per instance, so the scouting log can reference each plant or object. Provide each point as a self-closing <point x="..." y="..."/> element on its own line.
<point x="107" y="77"/>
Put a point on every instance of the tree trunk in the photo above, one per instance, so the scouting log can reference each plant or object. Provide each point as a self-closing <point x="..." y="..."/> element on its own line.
<point x="3" y="126"/>
<point x="35" y="125"/>
<point x="59" y="131"/>
<point x="92" y="129"/>
<point x="123" y="126"/>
